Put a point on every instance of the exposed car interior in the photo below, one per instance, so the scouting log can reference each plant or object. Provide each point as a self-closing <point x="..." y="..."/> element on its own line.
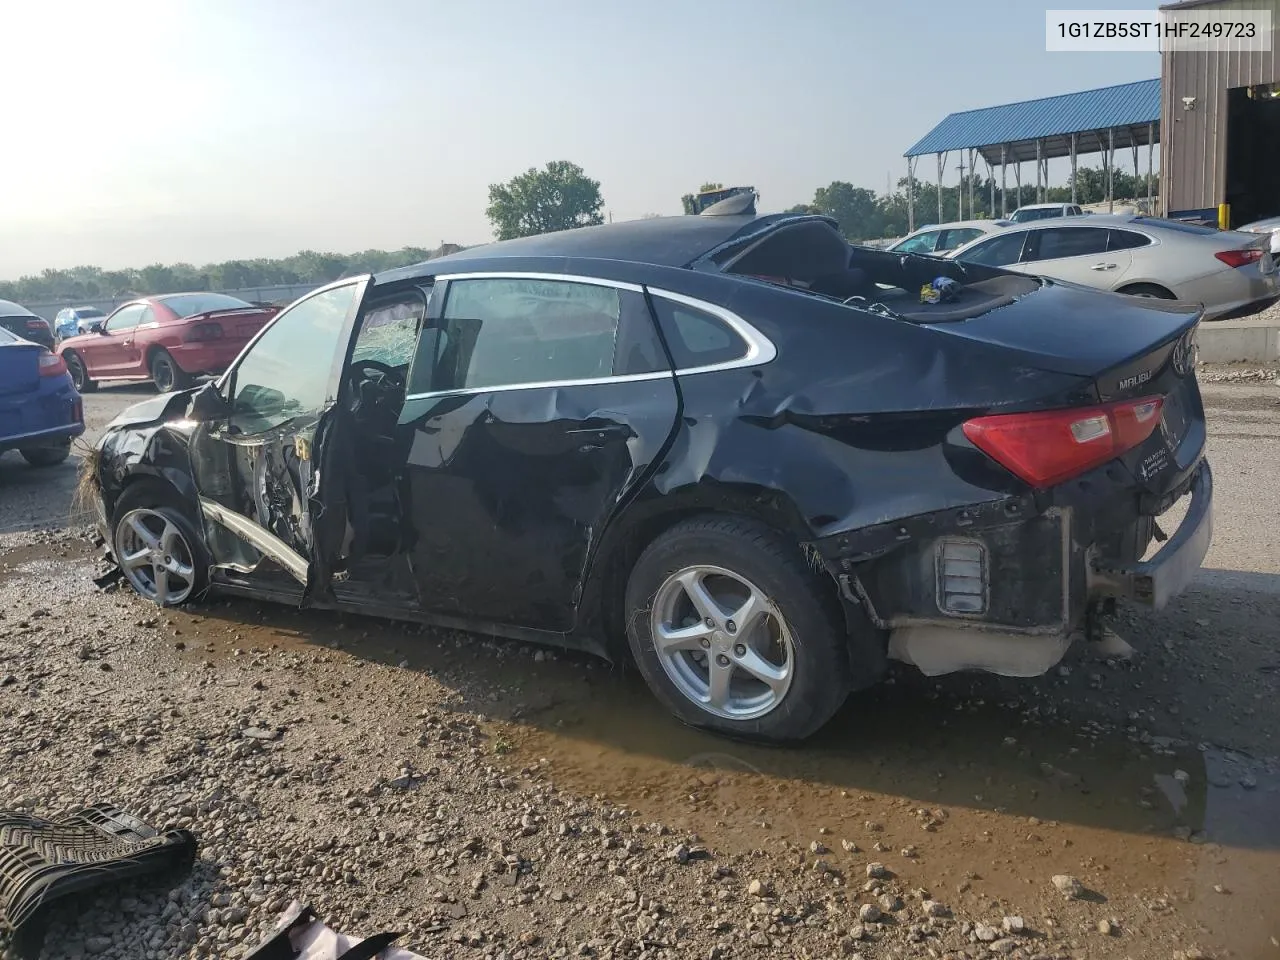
<point x="813" y="256"/>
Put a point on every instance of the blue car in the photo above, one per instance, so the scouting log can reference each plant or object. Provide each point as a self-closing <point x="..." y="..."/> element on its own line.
<point x="73" y="321"/>
<point x="40" y="410"/>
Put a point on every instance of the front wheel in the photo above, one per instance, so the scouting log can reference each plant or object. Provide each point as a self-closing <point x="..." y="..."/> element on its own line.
<point x="733" y="631"/>
<point x="168" y="376"/>
<point x="156" y="546"/>
<point x="49" y="456"/>
<point x="79" y="376"/>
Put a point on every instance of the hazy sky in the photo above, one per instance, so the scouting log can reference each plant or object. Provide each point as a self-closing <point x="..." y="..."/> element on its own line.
<point x="205" y="130"/>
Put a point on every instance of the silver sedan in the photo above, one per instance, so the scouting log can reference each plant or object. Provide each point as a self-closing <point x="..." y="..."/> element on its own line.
<point x="1231" y="273"/>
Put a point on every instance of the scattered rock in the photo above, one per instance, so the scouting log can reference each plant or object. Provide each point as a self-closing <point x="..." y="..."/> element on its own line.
<point x="759" y="888"/>
<point x="679" y="853"/>
<point x="1014" y="925"/>
<point x="985" y="933"/>
<point x="1004" y="947"/>
<point x="849" y="846"/>
<point x="1068" y="886"/>
<point x="869" y="913"/>
<point x="890" y="904"/>
<point x="932" y="908"/>
<point x="1107" y="928"/>
<point x="877" y="871"/>
<point x="259" y="733"/>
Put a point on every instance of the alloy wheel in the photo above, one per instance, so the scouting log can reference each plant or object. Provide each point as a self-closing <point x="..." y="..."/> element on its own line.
<point x="162" y="374"/>
<point x="76" y="369"/>
<point x="722" y="642"/>
<point x="155" y="557"/>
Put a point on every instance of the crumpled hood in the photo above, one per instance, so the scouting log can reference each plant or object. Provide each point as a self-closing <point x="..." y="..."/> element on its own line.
<point x="164" y="406"/>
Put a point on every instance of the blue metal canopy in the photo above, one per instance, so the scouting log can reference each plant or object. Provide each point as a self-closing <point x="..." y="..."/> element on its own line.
<point x="1131" y="110"/>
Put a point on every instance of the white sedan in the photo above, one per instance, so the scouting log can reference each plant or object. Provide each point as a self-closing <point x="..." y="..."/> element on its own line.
<point x="1231" y="273"/>
<point x="938" y="238"/>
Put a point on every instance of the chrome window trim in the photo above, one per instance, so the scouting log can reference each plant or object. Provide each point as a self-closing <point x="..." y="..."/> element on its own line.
<point x="563" y="277"/>
<point x="760" y="349"/>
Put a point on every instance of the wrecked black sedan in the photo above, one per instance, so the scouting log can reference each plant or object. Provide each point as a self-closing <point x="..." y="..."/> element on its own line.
<point x="731" y="448"/>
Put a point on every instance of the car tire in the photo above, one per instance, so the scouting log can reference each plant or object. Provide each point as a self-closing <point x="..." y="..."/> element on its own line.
<point x="798" y="639"/>
<point x="49" y="456"/>
<point x="79" y="377"/>
<point x="156" y="508"/>
<point x="166" y="374"/>
<point x="1148" y="290"/>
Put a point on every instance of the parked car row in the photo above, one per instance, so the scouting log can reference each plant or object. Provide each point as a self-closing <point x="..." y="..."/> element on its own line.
<point x="1233" y="273"/>
<point x="733" y="449"/>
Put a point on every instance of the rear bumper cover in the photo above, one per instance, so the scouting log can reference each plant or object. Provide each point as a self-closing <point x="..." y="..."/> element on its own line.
<point x="1154" y="582"/>
<point x="1036" y="580"/>
<point x="43" y="438"/>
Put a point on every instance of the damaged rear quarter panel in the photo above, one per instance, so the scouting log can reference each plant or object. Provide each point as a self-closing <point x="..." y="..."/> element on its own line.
<point x="855" y="424"/>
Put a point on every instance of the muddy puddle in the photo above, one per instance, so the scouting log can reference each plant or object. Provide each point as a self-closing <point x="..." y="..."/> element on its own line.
<point x="977" y="798"/>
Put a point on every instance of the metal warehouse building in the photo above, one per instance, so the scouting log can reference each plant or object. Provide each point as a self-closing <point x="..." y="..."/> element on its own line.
<point x="1220" y="125"/>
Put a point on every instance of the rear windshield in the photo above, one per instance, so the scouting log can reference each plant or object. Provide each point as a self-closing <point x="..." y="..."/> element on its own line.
<point x="189" y="304"/>
<point x="1022" y="216"/>
<point x="88" y="312"/>
<point x="7" y="337"/>
<point x="1181" y="226"/>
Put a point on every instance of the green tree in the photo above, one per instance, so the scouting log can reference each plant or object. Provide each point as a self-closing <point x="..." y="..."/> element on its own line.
<point x="853" y="208"/>
<point x="559" y="197"/>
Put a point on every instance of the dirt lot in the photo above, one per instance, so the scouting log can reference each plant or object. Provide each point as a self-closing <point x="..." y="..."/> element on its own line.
<point x="495" y="800"/>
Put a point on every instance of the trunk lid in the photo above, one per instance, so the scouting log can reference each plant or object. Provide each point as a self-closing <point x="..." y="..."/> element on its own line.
<point x="1078" y="330"/>
<point x="238" y="324"/>
<point x="1129" y="347"/>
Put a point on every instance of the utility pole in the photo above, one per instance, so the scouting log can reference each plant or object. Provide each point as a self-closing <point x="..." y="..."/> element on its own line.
<point x="960" y="192"/>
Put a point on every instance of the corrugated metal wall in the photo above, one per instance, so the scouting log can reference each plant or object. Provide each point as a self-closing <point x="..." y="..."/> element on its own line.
<point x="1193" y="148"/>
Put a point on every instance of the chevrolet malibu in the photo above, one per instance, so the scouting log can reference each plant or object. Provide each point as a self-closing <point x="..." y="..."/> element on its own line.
<point x="730" y="448"/>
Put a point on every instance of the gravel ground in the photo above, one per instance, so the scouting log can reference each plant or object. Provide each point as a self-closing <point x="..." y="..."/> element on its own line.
<point x="494" y="800"/>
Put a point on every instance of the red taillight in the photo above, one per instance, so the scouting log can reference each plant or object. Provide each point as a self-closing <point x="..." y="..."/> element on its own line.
<point x="1239" y="258"/>
<point x="204" y="331"/>
<point x="51" y="365"/>
<point x="37" y="324"/>
<point x="77" y="410"/>
<point x="1046" y="448"/>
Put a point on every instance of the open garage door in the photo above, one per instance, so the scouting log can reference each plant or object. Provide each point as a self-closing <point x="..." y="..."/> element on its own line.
<point x="1253" y="154"/>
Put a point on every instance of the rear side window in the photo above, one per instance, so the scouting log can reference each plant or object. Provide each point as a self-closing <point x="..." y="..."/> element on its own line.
<point x="1061" y="242"/>
<point x="696" y="338"/>
<point x="1126" y="240"/>
<point x="958" y="237"/>
<point x="997" y="252"/>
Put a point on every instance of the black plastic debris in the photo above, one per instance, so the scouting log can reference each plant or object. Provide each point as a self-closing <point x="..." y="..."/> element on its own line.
<point x="300" y="936"/>
<point x="45" y="860"/>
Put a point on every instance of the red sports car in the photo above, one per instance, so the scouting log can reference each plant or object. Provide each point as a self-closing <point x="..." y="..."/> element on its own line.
<point x="170" y="339"/>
